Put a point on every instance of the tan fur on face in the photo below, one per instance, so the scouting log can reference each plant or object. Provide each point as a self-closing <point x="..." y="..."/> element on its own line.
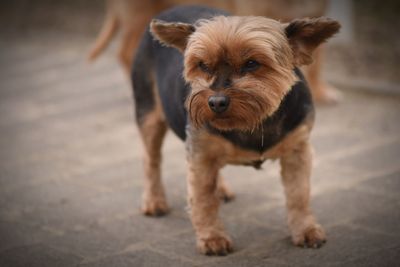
<point x="235" y="40"/>
<point x="242" y="111"/>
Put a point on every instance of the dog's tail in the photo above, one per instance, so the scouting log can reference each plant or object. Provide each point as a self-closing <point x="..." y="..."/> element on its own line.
<point x="108" y="30"/>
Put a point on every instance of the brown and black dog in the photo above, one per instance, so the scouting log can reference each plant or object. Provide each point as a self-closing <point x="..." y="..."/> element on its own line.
<point x="231" y="88"/>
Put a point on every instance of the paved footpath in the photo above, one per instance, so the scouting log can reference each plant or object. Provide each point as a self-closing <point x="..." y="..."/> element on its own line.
<point x="71" y="175"/>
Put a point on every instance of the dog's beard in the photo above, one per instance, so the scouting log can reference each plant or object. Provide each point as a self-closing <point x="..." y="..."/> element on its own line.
<point x="246" y="110"/>
<point x="251" y="102"/>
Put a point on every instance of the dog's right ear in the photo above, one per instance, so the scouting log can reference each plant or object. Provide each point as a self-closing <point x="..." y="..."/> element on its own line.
<point x="306" y="34"/>
<point x="173" y="34"/>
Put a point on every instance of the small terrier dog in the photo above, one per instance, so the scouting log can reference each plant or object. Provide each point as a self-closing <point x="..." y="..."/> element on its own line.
<point x="230" y="87"/>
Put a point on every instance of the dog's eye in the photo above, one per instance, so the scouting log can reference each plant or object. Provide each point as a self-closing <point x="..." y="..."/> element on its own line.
<point x="250" y="65"/>
<point x="204" y="67"/>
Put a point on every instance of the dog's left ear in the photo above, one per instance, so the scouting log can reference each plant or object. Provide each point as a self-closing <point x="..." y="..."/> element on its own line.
<point x="305" y="35"/>
<point x="174" y="34"/>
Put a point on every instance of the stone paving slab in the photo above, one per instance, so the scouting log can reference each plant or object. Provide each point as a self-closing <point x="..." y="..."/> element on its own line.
<point x="71" y="175"/>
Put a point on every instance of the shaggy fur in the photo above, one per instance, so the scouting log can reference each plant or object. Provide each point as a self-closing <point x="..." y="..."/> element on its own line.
<point x="230" y="87"/>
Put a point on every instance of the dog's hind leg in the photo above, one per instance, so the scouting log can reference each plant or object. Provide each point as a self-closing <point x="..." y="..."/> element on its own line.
<point x="153" y="129"/>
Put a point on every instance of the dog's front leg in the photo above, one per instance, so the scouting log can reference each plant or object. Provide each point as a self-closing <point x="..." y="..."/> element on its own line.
<point x="204" y="203"/>
<point x="296" y="171"/>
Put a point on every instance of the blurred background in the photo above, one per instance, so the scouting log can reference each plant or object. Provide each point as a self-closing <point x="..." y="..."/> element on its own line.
<point x="70" y="154"/>
<point x="365" y="53"/>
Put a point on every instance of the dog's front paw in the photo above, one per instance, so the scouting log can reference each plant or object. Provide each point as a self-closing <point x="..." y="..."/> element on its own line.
<point x="219" y="245"/>
<point x="311" y="237"/>
<point x="155" y="207"/>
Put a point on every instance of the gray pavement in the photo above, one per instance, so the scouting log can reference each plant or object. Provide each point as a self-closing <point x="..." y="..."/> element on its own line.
<point x="71" y="175"/>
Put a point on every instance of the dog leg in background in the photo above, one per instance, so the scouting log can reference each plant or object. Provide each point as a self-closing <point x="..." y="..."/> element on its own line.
<point x="296" y="171"/>
<point x="153" y="129"/>
<point x="128" y="47"/>
<point x="132" y="34"/>
<point x="223" y="191"/>
<point x="135" y="16"/>
<point x="321" y="91"/>
<point x="204" y="204"/>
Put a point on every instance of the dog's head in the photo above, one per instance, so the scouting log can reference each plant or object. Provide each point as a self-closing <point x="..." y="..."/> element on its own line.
<point x="240" y="68"/>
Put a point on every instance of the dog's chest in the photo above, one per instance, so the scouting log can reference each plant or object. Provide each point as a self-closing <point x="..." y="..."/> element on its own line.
<point x="227" y="152"/>
<point x="250" y="149"/>
<point x="259" y="140"/>
<point x="234" y="155"/>
<point x="255" y="162"/>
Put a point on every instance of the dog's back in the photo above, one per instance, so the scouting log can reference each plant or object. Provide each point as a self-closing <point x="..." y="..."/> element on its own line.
<point x="157" y="71"/>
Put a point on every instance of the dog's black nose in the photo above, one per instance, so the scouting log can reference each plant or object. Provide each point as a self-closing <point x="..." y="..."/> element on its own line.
<point x="218" y="103"/>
